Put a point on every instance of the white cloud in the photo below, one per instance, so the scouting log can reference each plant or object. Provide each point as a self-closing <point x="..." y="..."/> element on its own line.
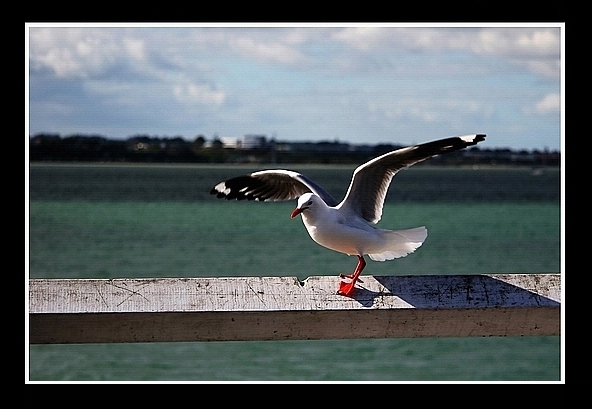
<point x="543" y="41"/>
<point x="549" y="104"/>
<point x="517" y="42"/>
<point x="363" y="38"/>
<point x="548" y="68"/>
<point x="135" y="48"/>
<point x="72" y="52"/>
<point x="83" y="51"/>
<point x="198" y="94"/>
<point x="273" y="51"/>
<point x="537" y="48"/>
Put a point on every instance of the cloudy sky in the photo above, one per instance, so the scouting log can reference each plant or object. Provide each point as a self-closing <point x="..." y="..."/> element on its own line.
<point x="352" y="83"/>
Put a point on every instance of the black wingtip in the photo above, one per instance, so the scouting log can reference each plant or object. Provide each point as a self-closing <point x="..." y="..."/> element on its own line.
<point x="241" y="188"/>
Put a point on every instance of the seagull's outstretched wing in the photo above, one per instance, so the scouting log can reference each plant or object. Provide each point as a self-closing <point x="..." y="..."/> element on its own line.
<point x="370" y="181"/>
<point x="270" y="185"/>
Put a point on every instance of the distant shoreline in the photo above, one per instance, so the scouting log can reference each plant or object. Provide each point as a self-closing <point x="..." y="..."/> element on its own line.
<point x="260" y="151"/>
<point x="283" y="165"/>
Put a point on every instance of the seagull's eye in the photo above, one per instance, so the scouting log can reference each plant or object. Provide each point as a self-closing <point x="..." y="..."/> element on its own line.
<point x="309" y="203"/>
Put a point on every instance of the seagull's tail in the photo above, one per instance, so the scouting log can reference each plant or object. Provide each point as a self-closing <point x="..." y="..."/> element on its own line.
<point x="399" y="243"/>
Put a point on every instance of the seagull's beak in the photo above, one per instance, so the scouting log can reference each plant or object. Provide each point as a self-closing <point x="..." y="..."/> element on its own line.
<point x="295" y="213"/>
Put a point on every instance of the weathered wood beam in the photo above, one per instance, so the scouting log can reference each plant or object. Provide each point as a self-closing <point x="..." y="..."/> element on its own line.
<point x="276" y="308"/>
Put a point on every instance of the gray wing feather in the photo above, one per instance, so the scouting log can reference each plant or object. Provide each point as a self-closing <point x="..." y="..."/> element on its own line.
<point x="370" y="182"/>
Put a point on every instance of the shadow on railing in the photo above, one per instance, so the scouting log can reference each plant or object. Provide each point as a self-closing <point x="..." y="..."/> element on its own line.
<point x="466" y="291"/>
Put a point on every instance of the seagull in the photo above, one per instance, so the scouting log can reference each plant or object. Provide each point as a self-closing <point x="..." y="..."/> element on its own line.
<point x="347" y="226"/>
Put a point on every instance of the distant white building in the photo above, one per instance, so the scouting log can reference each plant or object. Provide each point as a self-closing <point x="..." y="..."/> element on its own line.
<point x="250" y="141"/>
<point x="253" y="141"/>
<point x="230" y="142"/>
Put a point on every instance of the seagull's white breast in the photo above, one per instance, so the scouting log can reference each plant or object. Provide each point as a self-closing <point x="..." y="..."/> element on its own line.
<point x="330" y="230"/>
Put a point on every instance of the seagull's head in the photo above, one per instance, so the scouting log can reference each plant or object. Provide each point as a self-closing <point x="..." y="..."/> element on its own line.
<point x="307" y="201"/>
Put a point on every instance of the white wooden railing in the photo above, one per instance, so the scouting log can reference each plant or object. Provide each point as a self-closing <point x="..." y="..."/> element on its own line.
<point x="279" y="308"/>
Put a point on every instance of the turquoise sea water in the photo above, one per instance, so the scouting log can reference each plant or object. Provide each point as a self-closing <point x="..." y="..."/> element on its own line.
<point x="86" y="221"/>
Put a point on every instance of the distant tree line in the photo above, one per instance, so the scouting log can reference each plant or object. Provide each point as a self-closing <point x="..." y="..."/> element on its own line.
<point x="144" y="148"/>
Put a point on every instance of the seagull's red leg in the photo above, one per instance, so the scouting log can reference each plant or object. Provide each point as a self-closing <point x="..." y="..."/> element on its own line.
<point x="359" y="267"/>
<point x="348" y="288"/>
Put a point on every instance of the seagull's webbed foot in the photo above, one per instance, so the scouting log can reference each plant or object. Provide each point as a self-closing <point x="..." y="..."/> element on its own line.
<point x="346" y="288"/>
